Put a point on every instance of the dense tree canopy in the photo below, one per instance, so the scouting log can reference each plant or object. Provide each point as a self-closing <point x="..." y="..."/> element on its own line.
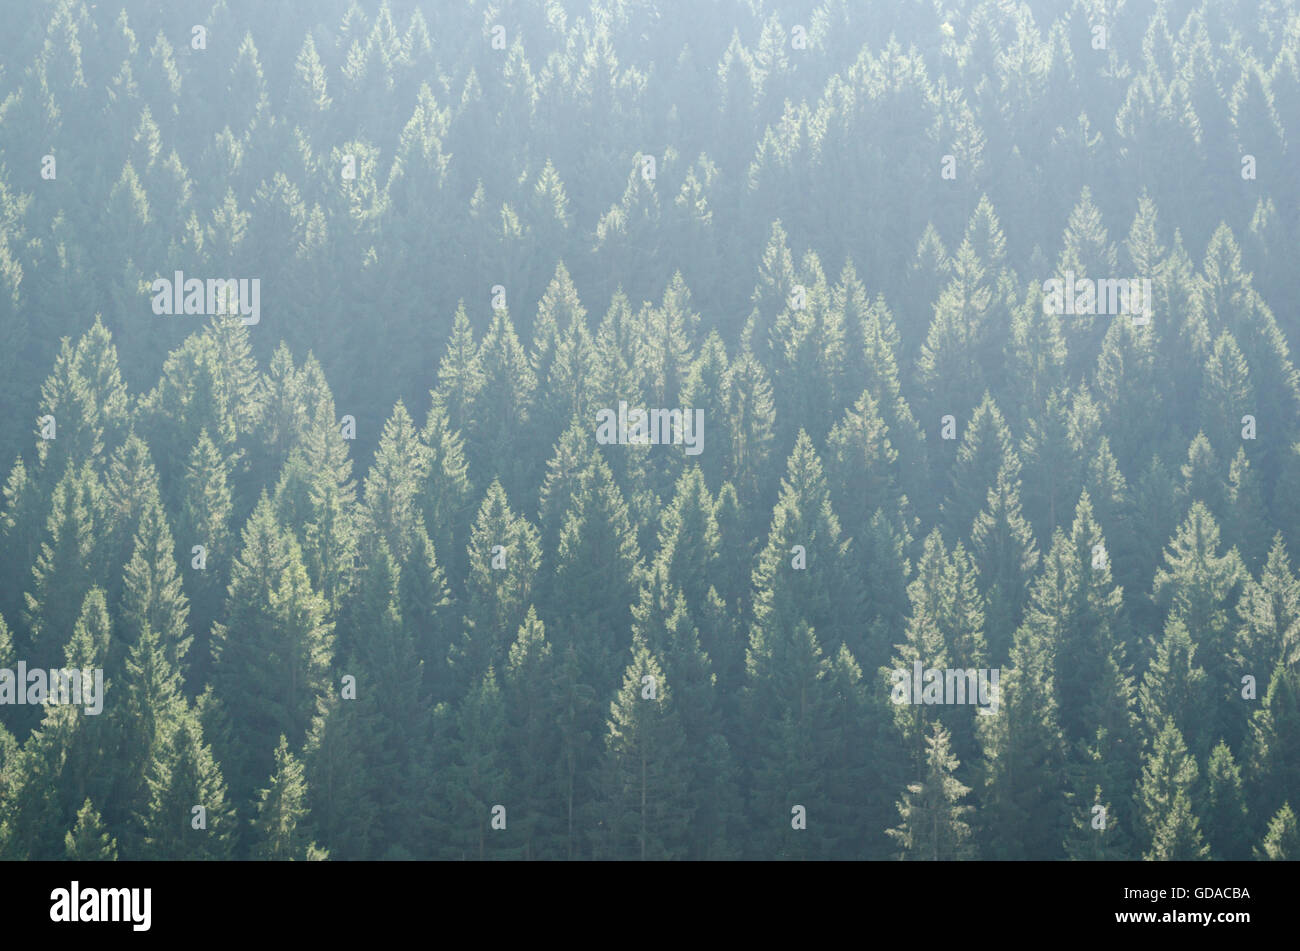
<point x="363" y="541"/>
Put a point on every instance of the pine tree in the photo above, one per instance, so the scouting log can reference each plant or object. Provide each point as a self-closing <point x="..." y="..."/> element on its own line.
<point x="986" y="450"/>
<point x="308" y="92"/>
<point x="812" y="587"/>
<point x="152" y="595"/>
<point x="67" y="566"/>
<point x="880" y="348"/>
<point x="533" y="741"/>
<point x="956" y="352"/>
<point x="1022" y="809"/>
<point x="428" y="609"/>
<point x="339" y="799"/>
<point x="706" y="387"/>
<point x="1224" y="295"/>
<point x="927" y="270"/>
<point x="34" y="814"/>
<point x="572" y="456"/>
<point x="847" y="745"/>
<point x="504" y="558"/>
<point x="1004" y="549"/>
<point x="1274" y="769"/>
<point x="88" y="841"/>
<point x="501" y="421"/>
<point x="786" y="698"/>
<point x="477" y="778"/>
<point x="1175" y="688"/>
<point x="24" y="511"/>
<point x="446" y="499"/>
<point x="1226" y="824"/>
<point x="66" y="395"/>
<point x="663" y="623"/>
<point x="934" y="826"/>
<point x="598" y="567"/>
<point x="1076" y="608"/>
<point x="689" y="539"/>
<point x="327" y="524"/>
<point x="751" y="417"/>
<point x="205" y="521"/>
<point x="945" y="629"/>
<point x="1248" y="522"/>
<point x="1088" y="253"/>
<point x="1269" y="610"/>
<point x="861" y="461"/>
<point x="809" y="352"/>
<point x="183" y="777"/>
<point x="1226" y="393"/>
<point x="1097" y="834"/>
<point x="644" y="803"/>
<point x="89" y="765"/>
<point x="393" y="483"/>
<point x="1282" y="843"/>
<point x="1051" y="478"/>
<point x="209" y="384"/>
<point x="1199" y="587"/>
<point x="384" y="658"/>
<point x="460" y="375"/>
<point x="130" y="489"/>
<point x="1129" y="374"/>
<point x="1164" y="800"/>
<point x="1036" y="357"/>
<point x="1203" y="477"/>
<point x="281" y="809"/>
<point x="271" y="655"/>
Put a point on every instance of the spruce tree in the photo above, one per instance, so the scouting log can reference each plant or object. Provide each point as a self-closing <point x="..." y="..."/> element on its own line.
<point x="1165" y="800"/>
<point x="644" y="805"/>
<point x="88" y="841"/>
<point x="272" y="653"/>
<point x="1227" y="827"/>
<point x="1282" y="841"/>
<point x="152" y="595"/>
<point x="504" y="559"/>
<point x="787" y="699"/>
<point x="281" y="809"/>
<point x="339" y="798"/>
<point x="187" y="815"/>
<point x="531" y="694"/>
<point x="1006" y="554"/>
<point x="477" y="778"/>
<point x="1023" y="804"/>
<point x="934" y="826"/>
<point x="1199" y="587"/>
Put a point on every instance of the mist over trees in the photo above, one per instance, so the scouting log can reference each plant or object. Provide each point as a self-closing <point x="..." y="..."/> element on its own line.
<point x="366" y="580"/>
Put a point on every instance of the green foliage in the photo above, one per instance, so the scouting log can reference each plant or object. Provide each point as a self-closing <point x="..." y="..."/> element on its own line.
<point x="344" y="631"/>
<point x="280" y="813"/>
<point x="934" y="826"/>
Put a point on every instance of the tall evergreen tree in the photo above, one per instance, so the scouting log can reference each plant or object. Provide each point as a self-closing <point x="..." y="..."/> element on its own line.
<point x="188" y="816"/>
<point x="934" y="826"/>
<point x="277" y="828"/>
<point x="87" y="841"/>
<point x="645" y="806"/>
<point x="272" y="653"/>
<point x="1165" y="800"/>
<point x="477" y="778"/>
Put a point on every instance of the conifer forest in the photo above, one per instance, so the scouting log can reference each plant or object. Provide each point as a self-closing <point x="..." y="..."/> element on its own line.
<point x="632" y="429"/>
